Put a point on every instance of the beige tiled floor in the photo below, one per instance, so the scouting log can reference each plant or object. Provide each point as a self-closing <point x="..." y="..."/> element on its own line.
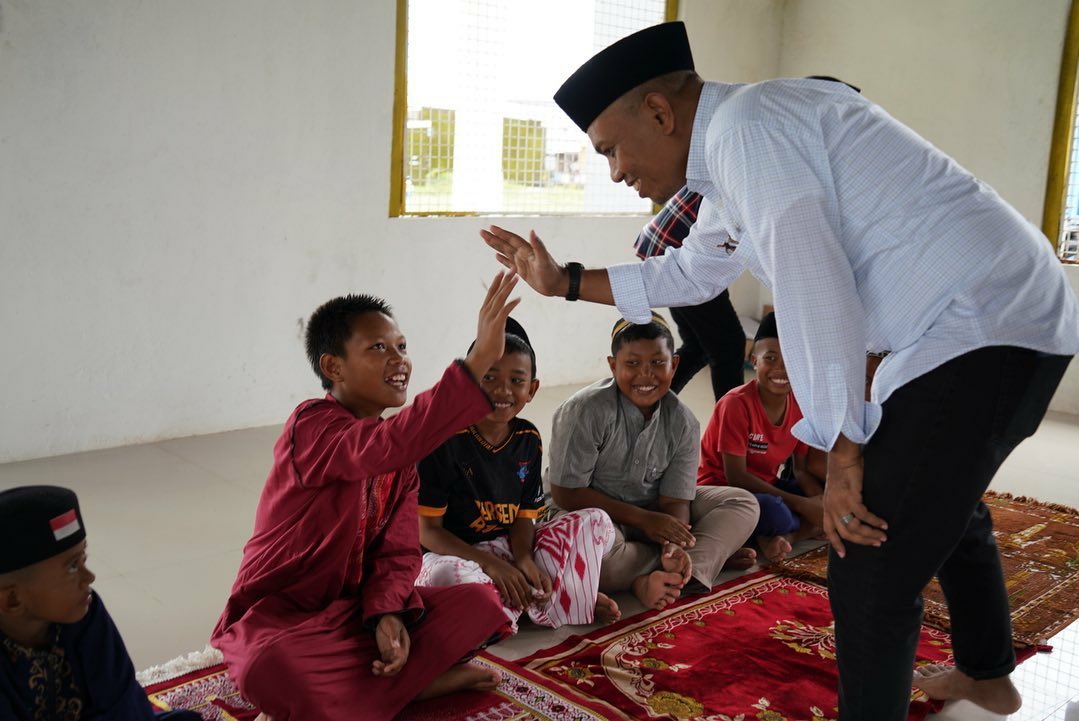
<point x="167" y="522"/>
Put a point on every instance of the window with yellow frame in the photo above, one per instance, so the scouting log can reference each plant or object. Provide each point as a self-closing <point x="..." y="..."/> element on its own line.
<point x="475" y="128"/>
<point x="1060" y="220"/>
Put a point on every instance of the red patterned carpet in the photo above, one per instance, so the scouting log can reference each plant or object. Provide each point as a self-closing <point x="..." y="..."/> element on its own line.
<point x="759" y="647"/>
<point x="1039" y="551"/>
<point x="522" y="696"/>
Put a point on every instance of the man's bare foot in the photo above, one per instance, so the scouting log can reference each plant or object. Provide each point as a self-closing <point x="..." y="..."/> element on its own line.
<point x="263" y="717"/>
<point x="947" y="683"/>
<point x="657" y="589"/>
<point x="740" y="560"/>
<point x="462" y="677"/>
<point x="607" y="610"/>
<point x="775" y="548"/>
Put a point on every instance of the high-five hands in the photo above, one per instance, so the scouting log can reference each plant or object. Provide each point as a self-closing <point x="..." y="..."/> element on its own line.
<point x="529" y="259"/>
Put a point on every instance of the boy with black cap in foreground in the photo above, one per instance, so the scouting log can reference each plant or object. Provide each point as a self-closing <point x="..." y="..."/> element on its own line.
<point x="480" y="495"/>
<point x="61" y="657"/>
<point x="749" y="437"/>
<point x="629" y="446"/>
<point x="325" y="622"/>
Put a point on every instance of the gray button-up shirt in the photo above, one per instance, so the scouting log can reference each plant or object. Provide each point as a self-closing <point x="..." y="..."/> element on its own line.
<point x="601" y="440"/>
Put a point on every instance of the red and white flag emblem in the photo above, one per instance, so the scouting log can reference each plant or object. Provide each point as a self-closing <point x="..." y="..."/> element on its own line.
<point x="65" y="525"/>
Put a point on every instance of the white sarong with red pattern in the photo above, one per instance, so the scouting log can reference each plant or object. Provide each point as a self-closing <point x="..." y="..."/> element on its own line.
<point x="568" y="549"/>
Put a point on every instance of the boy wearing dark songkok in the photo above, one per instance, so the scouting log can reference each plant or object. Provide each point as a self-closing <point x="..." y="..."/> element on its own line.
<point x="324" y="622"/>
<point x="61" y="657"/>
<point x="749" y="437"/>
<point x="480" y="495"/>
<point x="629" y="446"/>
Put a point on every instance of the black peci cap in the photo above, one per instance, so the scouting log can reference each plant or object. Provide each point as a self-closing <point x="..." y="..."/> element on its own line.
<point x="614" y="71"/>
<point x="512" y="328"/>
<point x="36" y="523"/>
<point x="515" y="328"/>
<point x="767" y="328"/>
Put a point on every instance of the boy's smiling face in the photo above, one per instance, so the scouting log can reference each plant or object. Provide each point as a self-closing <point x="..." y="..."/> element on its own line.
<point x="510" y="385"/>
<point x="374" y="372"/>
<point x="643" y="370"/>
<point x="56" y="590"/>
<point x="768" y="362"/>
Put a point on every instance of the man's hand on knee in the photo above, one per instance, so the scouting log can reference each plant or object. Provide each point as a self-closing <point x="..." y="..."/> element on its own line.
<point x="845" y="516"/>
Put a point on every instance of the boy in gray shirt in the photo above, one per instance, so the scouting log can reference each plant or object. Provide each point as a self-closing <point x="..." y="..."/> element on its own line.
<point x="629" y="446"/>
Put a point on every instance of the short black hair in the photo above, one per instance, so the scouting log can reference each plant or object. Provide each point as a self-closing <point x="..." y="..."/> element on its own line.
<point x="330" y="327"/>
<point x="517" y="344"/>
<point x="648" y="331"/>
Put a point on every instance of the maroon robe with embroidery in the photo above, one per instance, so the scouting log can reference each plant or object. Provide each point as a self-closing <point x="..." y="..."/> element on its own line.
<point x="335" y="546"/>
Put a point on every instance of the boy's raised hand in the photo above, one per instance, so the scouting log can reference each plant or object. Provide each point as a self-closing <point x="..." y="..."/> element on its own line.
<point x="393" y="645"/>
<point x="491" y="332"/>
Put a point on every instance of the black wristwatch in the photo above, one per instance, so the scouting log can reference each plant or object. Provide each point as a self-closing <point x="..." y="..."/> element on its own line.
<point x="574" y="270"/>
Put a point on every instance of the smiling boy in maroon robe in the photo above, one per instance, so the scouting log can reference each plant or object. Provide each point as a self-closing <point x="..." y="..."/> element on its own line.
<point x="324" y="621"/>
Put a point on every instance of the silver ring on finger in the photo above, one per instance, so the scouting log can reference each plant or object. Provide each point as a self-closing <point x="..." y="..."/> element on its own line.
<point x="845" y="520"/>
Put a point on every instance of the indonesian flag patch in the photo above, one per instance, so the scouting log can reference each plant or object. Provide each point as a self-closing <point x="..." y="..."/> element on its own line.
<point x="65" y="525"/>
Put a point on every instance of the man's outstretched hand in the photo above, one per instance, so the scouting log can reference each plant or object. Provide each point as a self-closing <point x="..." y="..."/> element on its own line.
<point x="529" y="259"/>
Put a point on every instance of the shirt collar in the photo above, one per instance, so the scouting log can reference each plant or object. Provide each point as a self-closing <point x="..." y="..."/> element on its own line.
<point x="712" y="95"/>
<point x="29" y="652"/>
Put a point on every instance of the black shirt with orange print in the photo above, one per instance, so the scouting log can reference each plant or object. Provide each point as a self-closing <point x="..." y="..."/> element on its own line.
<point x="478" y="489"/>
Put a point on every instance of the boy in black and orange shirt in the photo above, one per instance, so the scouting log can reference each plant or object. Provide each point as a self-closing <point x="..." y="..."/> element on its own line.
<point x="480" y="495"/>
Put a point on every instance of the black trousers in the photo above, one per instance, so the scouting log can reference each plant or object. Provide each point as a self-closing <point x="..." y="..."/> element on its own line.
<point x="711" y="335"/>
<point x="941" y="440"/>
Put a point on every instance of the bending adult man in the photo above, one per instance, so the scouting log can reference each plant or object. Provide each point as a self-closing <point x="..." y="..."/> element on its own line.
<point x="870" y="239"/>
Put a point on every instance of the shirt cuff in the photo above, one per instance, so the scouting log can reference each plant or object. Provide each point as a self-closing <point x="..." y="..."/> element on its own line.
<point x="630" y="296"/>
<point x="803" y="431"/>
<point x="462" y="367"/>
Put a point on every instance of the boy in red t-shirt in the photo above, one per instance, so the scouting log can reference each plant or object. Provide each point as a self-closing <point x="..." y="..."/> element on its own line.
<point x="747" y="440"/>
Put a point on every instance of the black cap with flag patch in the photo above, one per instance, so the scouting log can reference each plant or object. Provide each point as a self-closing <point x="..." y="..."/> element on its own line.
<point x="36" y="523"/>
<point x="617" y="69"/>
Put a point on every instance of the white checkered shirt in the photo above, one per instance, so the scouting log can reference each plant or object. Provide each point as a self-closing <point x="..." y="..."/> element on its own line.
<point x="870" y="238"/>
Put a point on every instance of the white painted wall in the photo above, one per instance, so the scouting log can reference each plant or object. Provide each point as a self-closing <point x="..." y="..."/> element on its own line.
<point x="181" y="183"/>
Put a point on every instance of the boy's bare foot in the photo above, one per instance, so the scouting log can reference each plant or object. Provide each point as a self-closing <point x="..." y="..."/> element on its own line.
<point x="674" y="559"/>
<point x="775" y="548"/>
<point x="462" y="677"/>
<point x="947" y="683"/>
<point x="263" y="717"/>
<point x="607" y="610"/>
<point x="740" y="560"/>
<point x="657" y="589"/>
